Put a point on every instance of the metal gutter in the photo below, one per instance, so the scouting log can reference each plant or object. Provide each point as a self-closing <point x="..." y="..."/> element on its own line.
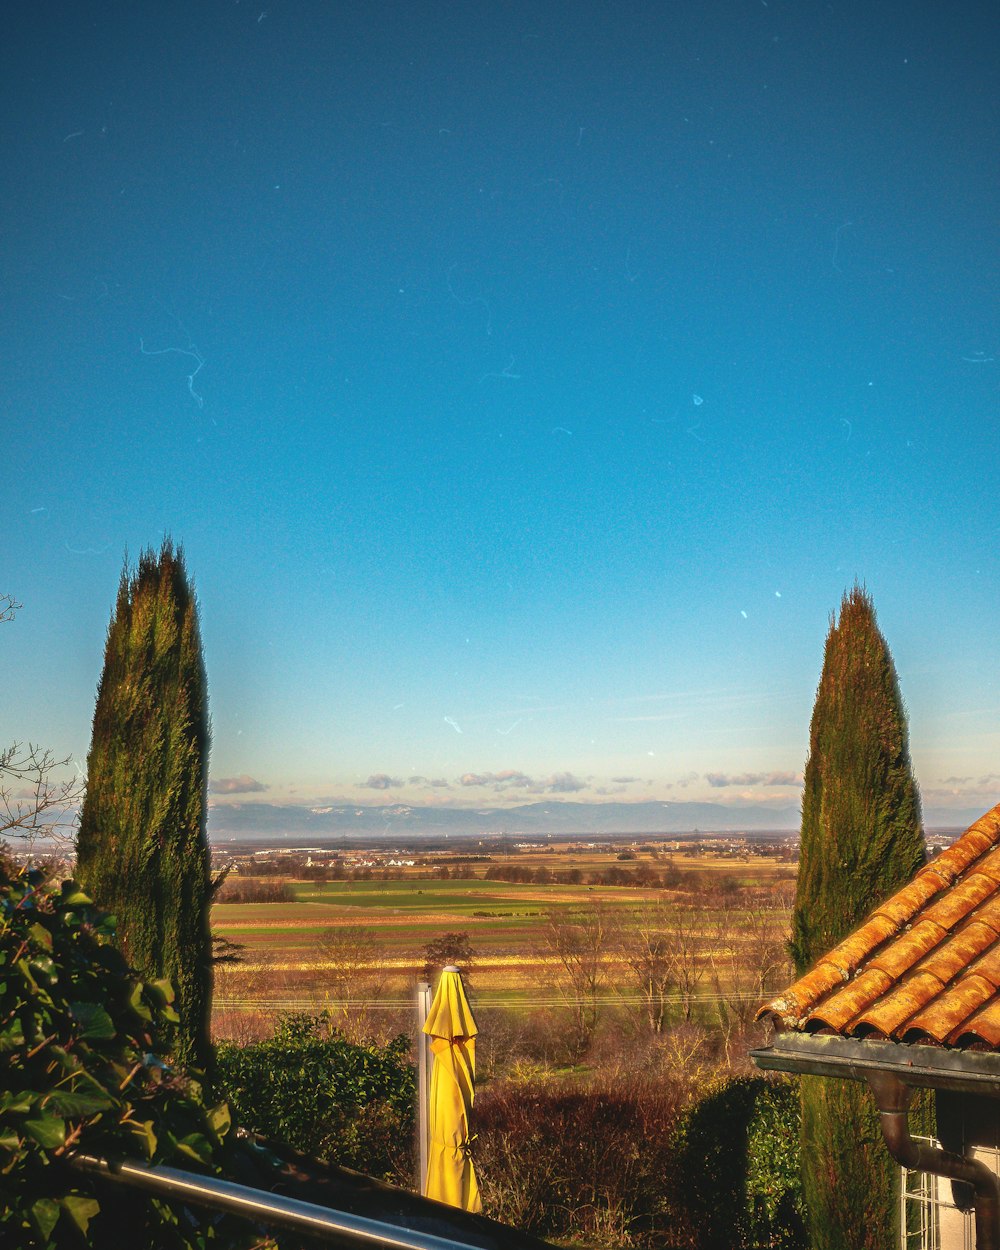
<point x="262" y="1207"/>
<point x="929" y="1067"/>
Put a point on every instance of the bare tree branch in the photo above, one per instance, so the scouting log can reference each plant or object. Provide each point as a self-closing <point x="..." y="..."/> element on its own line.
<point x="34" y="803"/>
<point x="8" y="606"/>
<point x="575" y="948"/>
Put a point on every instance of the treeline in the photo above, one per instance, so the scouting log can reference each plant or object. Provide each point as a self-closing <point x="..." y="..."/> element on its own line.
<point x="254" y="890"/>
<point x="645" y="876"/>
<point x="269" y="880"/>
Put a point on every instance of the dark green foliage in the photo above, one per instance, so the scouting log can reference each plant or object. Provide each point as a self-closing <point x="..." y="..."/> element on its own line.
<point x="861" y="841"/>
<point x="850" y="1183"/>
<point x="861" y="829"/>
<point x="737" y="1177"/>
<point x="141" y="849"/>
<point x="79" y="1068"/>
<point x="307" y="1086"/>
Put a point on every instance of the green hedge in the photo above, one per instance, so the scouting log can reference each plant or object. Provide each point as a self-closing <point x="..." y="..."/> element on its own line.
<point x="737" y="1166"/>
<point x="352" y="1105"/>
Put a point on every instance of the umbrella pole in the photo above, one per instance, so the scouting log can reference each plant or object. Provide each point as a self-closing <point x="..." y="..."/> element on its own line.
<point x="423" y="1083"/>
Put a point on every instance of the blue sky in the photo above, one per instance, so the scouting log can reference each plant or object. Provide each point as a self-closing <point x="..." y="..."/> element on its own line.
<point x="526" y="383"/>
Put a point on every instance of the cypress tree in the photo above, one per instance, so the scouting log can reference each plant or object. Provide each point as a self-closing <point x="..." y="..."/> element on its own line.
<point x="861" y="840"/>
<point x="142" y="850"/>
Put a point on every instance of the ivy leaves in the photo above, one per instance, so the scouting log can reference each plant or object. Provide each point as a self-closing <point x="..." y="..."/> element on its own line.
<point x="80" y="1069"/>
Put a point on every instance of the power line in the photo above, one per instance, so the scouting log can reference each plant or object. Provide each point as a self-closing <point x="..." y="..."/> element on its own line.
<point x="407" y="1004"/>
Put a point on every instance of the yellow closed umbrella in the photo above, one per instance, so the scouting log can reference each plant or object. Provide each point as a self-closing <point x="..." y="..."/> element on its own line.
<point x="452" y="1030"/>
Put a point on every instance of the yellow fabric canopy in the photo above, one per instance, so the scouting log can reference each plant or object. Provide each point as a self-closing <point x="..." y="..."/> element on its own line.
<point x="451" y="1027"/>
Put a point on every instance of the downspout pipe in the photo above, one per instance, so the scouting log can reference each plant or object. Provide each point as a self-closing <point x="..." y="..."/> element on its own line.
<point x="893" y="1099"/>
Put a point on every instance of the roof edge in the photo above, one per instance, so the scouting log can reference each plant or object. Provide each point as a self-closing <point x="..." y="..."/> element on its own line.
<point x="930" y="1067"/>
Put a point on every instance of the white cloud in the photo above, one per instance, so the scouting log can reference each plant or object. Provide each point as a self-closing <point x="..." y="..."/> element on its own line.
<point x="718" y="780"/>
<point x="514" y="779"/>
<point x="236" y="785"/>
<point x="381" y="781"/>
<point x="507" y="779"/>
<point x="563" y="783"/>
<point x="430" y="783"/>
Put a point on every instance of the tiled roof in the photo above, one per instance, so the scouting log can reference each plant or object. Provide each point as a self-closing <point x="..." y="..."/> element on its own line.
<point x="925" y="965"/>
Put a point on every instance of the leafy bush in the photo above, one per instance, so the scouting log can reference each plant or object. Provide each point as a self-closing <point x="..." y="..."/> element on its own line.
<point x="737" y="1178"/>
<point x="351" y="1104"/>
<point x="79" y="1070"/>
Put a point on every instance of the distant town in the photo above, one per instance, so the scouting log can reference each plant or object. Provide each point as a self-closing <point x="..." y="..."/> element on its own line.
<point x="330" y="860"/>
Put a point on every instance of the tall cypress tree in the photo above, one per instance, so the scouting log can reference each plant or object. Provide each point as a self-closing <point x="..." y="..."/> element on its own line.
<point x="861" y="840"/>
<point x="142" y="850"/>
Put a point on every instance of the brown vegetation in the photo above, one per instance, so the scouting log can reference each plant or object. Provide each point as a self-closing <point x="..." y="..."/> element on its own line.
<point x="254" y="890"/>
<point x="609" y="1003"/>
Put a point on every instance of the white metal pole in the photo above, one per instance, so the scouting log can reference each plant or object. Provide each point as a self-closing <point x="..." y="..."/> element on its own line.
<point x="423" y="1083"/>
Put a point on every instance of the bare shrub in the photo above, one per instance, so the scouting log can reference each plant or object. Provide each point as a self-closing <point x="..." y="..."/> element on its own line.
<point x="644" y="938"/>
<point x="694" y="1055"/>
<point x="450" y="949"/>
<point x="241" y="1027"/>
<point x="36" y="804"/>
<point x="749" y="959"/>
<point x="355" y="974"/>
<point x="574" y="947"/>
<point x="561" y="1159"/>
<point x="505" y="1038"/>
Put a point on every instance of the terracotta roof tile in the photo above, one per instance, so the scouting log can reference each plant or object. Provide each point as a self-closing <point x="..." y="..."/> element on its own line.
<point x="957" y="858"/>
<point x="955" y="904"/>
<point x="789" y="1007"/>
<point x="911" y="945"/>
<point x="925" y="965"/>
<point x="958" y="1002"/>
<point x="988" y="913"/>
<point x="901" y="1004"/>
<point x="954" y="956"/>
<point x="987" y="967"/>
<point x="908" y="901"/>
<point x="983" y="1026"/>
<point x="989" y="865"/>
<point x="849" y="954"/>
<point x="842" y="1007"/>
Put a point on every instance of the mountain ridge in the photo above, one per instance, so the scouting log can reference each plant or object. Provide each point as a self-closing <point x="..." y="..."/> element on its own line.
<point x="251" y="821"/>
<point x="267" y="820"/>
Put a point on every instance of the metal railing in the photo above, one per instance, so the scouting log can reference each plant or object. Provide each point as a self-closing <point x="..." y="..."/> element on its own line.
<point x="262" y="1207"/>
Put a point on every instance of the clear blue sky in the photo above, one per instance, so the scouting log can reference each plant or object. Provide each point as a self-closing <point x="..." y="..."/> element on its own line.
<point x="525" y="382"/>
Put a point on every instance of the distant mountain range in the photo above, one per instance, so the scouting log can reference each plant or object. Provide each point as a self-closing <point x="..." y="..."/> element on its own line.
<point x="271" y="821"/>
<point x="244" y="821"/>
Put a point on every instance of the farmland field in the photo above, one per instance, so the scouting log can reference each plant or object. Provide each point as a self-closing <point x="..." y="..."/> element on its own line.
<point x="288" y="946"/>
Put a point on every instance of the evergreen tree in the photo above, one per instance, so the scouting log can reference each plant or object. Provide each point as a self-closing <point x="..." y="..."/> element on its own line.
<point x="142" y="851"/>
<point x="861" y="840"/>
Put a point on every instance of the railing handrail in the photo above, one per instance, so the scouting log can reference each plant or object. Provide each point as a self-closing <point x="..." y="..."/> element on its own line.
<point x="272" y="1210"/>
